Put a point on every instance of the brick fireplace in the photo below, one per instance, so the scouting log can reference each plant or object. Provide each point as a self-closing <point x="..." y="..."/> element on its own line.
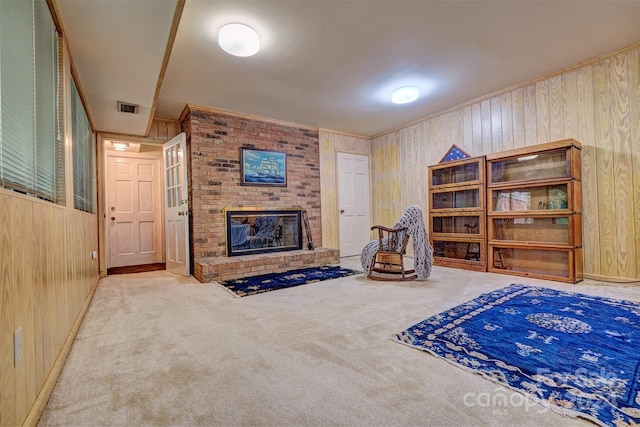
<point x="214" y="139"/>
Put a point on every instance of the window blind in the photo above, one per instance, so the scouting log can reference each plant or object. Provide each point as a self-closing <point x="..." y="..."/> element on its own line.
<point x="83" y="144"/>
<point x="45" y="84"/>
<point x="17" y="76"/>
<point x="31" y="141"/>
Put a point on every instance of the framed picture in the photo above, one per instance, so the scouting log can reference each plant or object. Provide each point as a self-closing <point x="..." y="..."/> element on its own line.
<point x="263" y="167"/>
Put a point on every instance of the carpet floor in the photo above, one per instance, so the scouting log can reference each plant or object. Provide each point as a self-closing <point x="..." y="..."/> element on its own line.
<point x="156" y="349"/>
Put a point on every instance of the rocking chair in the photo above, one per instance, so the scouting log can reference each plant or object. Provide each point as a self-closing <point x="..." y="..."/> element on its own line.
<point x="388" y="259"/>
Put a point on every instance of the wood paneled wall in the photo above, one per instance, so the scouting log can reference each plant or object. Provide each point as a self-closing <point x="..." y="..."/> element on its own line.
<point x="597" y="103"/>
<point x="46" y="281"/>
<point x="331" y="143"/>
<point x="163" y="129"/>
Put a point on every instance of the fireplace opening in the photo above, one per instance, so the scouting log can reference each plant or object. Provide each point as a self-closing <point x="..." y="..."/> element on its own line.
<point x="261" y="231"/>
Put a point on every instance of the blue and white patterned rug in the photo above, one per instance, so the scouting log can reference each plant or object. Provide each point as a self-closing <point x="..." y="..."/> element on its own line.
<point x="576" y="354"/>
<point x="272" y="281"/>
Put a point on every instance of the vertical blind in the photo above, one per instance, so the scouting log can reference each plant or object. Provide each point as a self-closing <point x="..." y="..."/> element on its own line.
<point x="83" y="143"/>
<point x="31" y="140"/>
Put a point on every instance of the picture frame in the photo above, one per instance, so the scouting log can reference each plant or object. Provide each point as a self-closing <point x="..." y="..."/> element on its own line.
<point x="263" y="167"/>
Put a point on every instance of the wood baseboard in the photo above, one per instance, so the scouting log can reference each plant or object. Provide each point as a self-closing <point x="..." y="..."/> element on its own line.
<point x="611" y="279"/>
<point x="47" y="388"/>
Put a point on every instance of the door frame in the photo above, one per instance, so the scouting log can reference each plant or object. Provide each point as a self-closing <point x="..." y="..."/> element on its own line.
<point x="337" y="190"/>
<point x="103" y="141"/>
<point x="159" y="203"/>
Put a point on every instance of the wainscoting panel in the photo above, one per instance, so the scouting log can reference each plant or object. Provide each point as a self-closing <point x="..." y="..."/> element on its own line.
<point x="48" y="275"/>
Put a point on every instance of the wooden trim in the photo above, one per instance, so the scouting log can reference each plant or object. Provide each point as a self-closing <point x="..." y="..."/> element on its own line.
<point x="189" y="107"/>
<point x="102" y="203"/>
<point x="611" y="279"/>
<point x="47" y="388"/>
<point x="338" y="132"/>
<point x="53" y="8"/>
<point x="30" y="198"/>
<point x="521" y="85"/>
<point x="177" y="15"/>
<point x="129" y="138"/>
<point x="519" y="244"/>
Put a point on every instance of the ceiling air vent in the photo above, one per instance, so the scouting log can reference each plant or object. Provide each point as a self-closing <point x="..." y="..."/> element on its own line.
<point x="125" y="107"/>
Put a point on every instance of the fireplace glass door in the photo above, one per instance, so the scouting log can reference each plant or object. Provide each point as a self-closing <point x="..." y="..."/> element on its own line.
<point x="254" y="232"/>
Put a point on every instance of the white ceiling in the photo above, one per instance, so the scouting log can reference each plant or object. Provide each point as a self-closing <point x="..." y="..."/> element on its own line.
<point x="331" y="64"/>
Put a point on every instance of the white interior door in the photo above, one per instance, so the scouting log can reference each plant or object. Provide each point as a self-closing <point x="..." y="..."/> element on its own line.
<point x="353" y="193"/>
<point x="134" y="211"/>
<point x="176" y="213"/>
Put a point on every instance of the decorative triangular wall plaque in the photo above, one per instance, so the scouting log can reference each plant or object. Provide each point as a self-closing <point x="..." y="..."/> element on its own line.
<point x="454" y="153"/>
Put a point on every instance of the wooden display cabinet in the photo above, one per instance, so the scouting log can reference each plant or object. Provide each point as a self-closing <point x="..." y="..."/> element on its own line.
<point x="457" y="213"/>
<point x="534" y="219"/>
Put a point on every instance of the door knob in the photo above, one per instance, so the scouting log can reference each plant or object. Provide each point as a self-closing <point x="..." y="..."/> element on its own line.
<point x="180" y="213"/>
<point x="341" y="211"/>
<point x="113" y="218"/>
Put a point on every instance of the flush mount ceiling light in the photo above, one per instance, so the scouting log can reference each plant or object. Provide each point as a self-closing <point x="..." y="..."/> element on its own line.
<point x="120" y="146"/>
<point x="405" y="95"/>
<point x="239" y="40"/>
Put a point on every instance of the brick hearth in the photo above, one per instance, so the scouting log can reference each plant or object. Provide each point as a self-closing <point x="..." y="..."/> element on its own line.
<point x="228" y="268"/>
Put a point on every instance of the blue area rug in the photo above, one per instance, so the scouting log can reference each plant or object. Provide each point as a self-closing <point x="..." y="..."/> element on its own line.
<point x="272" y="281"/>
<point x="576" y="354"/>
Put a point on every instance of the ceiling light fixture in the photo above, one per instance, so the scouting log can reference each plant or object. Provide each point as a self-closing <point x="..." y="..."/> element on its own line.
<point x="239" y="40"/>
<point x="120" y="146"/>
<point x="405" y="95"/>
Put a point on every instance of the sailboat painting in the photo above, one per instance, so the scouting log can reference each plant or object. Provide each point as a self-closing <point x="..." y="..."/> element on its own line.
<point x="263" y="167"/>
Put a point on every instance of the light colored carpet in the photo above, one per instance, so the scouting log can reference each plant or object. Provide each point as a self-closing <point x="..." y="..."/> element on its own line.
<point x="155" y="349"/>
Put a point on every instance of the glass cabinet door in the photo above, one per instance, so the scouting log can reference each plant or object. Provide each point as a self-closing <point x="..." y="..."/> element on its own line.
<point x="467" y="225"/>
<point x="456" y="174"/>
<point x="472" y="250"/>
<point x="549" y="165"/>
<point x="531" y="229"/>
<point x="532" y="198"/>
<point x="546" y="262"/>
<point x="459" y="199"/>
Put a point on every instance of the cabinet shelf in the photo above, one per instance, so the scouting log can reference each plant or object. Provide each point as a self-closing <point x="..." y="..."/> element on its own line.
<point x="525" y="206"/>
<point x="534" y="221"/>
<point x="458" y="199"/>
<point x="554" y="160"/>
<point x="463" y="225"/>
<point x="533" y="197"/>
<point x="457" y="213"/>
<point x="460" y="252"/>
<point x="562" y="264"/>
<point x="456" y="173"/>
<point x="557" y="229"/>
